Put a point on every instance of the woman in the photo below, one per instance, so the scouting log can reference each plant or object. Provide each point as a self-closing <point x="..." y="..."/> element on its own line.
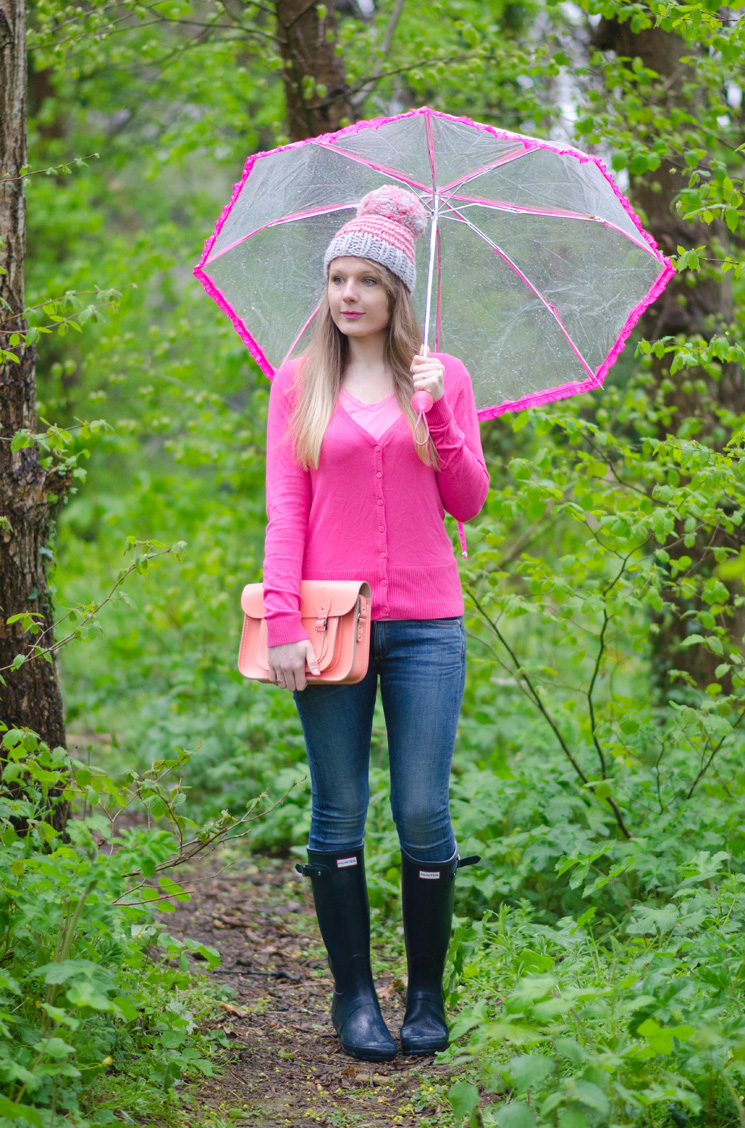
<point x="351" y="494"/>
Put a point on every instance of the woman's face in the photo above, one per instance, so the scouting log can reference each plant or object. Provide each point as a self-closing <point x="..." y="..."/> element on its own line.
<point x="357" y="297"/>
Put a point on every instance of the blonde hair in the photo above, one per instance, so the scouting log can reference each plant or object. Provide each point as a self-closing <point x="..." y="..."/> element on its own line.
<point x="321" y="372"/>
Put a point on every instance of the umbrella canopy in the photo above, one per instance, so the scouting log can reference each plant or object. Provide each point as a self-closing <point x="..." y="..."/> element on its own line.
<point x="535" y="272"/>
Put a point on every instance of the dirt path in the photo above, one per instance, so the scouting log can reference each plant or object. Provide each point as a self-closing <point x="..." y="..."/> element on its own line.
<point x="288" y="1067"/>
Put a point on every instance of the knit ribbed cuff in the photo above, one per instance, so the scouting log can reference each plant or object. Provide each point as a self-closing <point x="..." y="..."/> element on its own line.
<point x="440" y="415"/>
<point x="284" y="628"/>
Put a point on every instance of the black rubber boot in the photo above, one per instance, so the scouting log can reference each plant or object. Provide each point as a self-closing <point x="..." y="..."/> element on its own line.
<point x="427" y="894"/>
<point x="340" y="896"/>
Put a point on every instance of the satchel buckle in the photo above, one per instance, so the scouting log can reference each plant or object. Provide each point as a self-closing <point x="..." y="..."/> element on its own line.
<point x="322" y="623"/>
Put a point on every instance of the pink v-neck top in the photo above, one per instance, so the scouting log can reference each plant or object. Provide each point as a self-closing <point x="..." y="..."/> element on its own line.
<point x="377" y="417"/>
<point x="372" y="510"/>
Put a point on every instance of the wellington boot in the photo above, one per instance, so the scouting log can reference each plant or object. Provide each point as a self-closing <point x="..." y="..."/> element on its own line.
<point x="427" y="896"/>
<point x="340" y="896"/>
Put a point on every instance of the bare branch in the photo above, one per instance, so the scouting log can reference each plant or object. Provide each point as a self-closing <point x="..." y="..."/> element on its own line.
<point x="715" y="751"/>
<point x="519" y="673"/>
<point x="398" y="8"/>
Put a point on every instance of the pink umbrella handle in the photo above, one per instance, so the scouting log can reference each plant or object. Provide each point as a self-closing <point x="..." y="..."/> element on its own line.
<point x="421" y="402"/>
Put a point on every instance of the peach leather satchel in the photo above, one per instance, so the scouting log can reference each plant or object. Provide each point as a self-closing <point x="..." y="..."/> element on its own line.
<point x="336" y="617"/>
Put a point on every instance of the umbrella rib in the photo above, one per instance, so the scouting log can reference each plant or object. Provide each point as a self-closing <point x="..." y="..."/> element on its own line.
<point x="549" y="213"/>
<point x="278" y="223"/>
<point x="300" y="334"/>
<point x="523" y="278"/>
<point x="506" y="158"/>
<point x="376" y="167"/>
<point x="529" y="145"/>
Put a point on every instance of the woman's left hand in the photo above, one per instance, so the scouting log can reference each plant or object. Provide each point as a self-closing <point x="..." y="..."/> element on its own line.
<point x="429" y="376"/>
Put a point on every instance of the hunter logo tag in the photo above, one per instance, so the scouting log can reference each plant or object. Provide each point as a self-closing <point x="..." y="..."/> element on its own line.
<point x="342" y="863"/>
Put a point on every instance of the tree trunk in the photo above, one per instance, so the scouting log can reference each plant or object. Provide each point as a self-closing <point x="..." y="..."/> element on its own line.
<point x="28" y="492"/>
<point x="691" y="304"/>
<point x="683" y="308"/>
<point x="314" y="76"/>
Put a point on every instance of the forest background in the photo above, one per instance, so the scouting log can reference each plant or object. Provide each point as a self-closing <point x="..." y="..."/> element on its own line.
<point x="598" y="961"/>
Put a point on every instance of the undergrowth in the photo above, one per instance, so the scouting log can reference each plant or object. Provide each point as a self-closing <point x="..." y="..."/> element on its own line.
<point x="101" y="1016"/>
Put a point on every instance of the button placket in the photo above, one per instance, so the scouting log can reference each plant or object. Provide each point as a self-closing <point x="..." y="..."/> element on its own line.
<point x="382" y="525"/>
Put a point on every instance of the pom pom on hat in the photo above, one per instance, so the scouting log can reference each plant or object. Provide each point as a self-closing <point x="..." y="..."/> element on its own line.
<point x="396" y="204"/>
<point x="388" y="221"/>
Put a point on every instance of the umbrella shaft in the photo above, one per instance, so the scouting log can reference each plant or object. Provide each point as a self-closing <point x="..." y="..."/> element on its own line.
<point x="430" y="275"/>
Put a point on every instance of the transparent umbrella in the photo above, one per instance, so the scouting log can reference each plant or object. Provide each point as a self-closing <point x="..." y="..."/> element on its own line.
<point x="535" y="271"/>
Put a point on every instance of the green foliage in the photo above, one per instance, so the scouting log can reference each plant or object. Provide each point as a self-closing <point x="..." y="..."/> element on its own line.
<point x="90" y="979"/>
<point x="602" y="785"/>
<point x="567" y="1023"/>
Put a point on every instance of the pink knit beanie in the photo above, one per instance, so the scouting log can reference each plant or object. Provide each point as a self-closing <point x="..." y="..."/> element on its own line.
<point x="388" y="221"/>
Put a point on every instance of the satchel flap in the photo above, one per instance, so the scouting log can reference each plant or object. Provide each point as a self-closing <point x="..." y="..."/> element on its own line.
<point x="252" y="601"/>
<point x="317" y="597"/>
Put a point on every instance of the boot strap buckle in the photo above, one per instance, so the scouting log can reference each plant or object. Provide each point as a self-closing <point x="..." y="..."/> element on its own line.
<point x="311" y="869"/>
<point x="471" y="860"/>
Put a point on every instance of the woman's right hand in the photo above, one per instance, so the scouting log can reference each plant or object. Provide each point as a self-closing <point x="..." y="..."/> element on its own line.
<point x="287" y="664"/>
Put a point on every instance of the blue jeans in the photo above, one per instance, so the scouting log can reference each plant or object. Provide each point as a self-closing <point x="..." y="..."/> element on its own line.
<point x="421" y="664"/>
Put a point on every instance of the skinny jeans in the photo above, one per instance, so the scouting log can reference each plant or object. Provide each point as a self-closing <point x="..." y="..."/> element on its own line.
<point x="421" y="665"/>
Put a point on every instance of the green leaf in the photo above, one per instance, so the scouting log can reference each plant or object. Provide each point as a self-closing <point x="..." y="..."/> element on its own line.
<point x="516" y="1115"/>
<point x="660" y="1038"/>
<point x="591" y="1095"/>
<point x="529" y="1070"/>
<point x="652" y="921"/>
<point x="13" y="1112"/>
<point x="172" y="888"/>
<point x="63" y="1017"/>
<point x="126" y="1008"/>
<point x="63" y="970"/>
<point x="463" y="1097"/>
<point x="85" y="994"/>
<point x="55" y="1048"/>
<point x="8" y="983"/>
<point x="520" y="469"/>
<point x="158" y="808"/>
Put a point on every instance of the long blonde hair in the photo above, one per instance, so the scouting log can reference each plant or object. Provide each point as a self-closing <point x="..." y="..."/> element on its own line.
<point x="321" y="371"/>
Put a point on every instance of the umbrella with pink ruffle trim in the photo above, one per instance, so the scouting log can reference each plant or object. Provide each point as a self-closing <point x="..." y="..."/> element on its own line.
<point x="534" y="274"/>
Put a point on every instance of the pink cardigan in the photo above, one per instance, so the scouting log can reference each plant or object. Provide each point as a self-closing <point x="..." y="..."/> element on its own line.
<point x="372" y="510"/>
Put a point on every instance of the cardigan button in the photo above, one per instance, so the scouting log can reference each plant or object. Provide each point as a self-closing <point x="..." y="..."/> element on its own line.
<point x="377" y="448"/>
<point x="378" y="475"/>
<point x="384" y="583"/>
<point x="380" y="501"/>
